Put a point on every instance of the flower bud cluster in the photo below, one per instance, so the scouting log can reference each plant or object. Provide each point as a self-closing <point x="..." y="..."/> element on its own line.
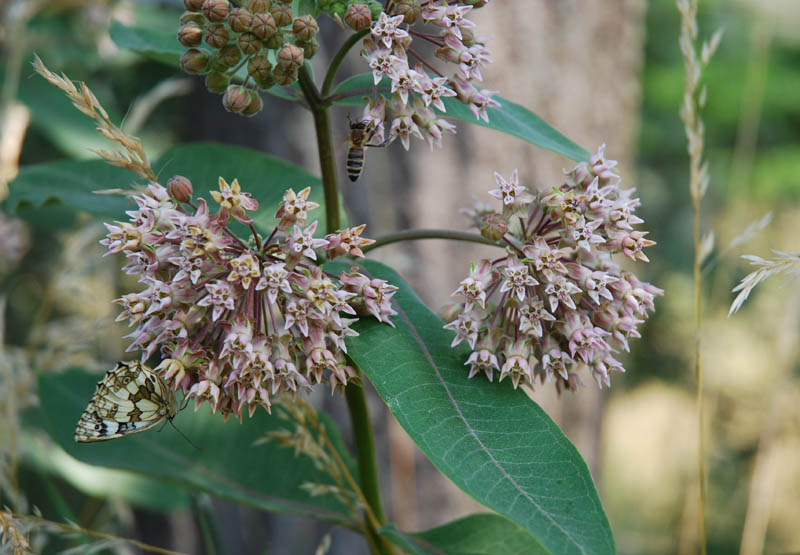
<point x="263" y="34"/>
<point x="557" y="303"/>
<point x="239" y="322"/>
<point x="417" y="90"/>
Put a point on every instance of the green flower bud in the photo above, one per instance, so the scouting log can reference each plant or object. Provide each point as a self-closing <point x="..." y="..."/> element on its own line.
<point x="467" y="37"/>
<point x="305" y="28"/>
<point x="255" y="106"/>
<point x="216" y="10"/>
<point x="217" y="82"/>
<point x="338" y="8"/>
<point x="259" y="68"/>
<point x="409" y="9"/>
<point x="195" y="60"/>
<point x="240" y="20"/>
<point x="476" y="3"/>
<point x="358" y="17"/>
<point x="193" y="17"/>
<point x="375" y="8"/>
<point x="290" y="57"/>
<point x="259" y="6"/>
<point x="193" y="5"/>
<point x="309" y="47"/>
<point x="180" y="188"/>
<point x="282" y="13"/>
<point x="274" y="42"/>
<point x="284" y="75"/>
<point x="236" y="98"/>
<point x="249" y="43"/>
<point x="190" y="34"/>
<point x="230" y="55"/>
<point x="217" y="35"/>
<point x="263" y="26"/>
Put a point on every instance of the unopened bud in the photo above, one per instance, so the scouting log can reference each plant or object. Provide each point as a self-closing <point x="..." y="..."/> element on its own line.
<point x="494" y="226"/>
<point x="476" y="3"/>
<point x="180" y="188"/>
<point x="193" y="17"/>
<point x="282" y="13"/>
<point x="305" y="28"/>
<point x="236" y="98"/>
<point x="217" y="82"/>
<point x="249" y="43"/>
<point x="358" y="17"/>
<point x="409" y="9"/>
<point x="240" y="20"/>
<point x="217" y="35"/>
<point x="259" y="6"/>
<point x="193" y="5"/>
<point x="194" y="60"/>
<point x="284" y="75"/>
<point x="216" y="10"/>
<point x="274" y="42"/>
<point x="230" y="55"/>
<point x="467" y="37"/>
<point x="263" y="25"/>
<point x="255" y="106"/>
<point x="190" y="34"/>
<point x="259" y="68"/>
<point x="290" y="57"/>
<point x="309" y="48"/>
<point x="375" y="8"/>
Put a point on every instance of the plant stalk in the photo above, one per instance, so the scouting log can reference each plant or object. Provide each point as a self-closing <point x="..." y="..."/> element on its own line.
<point x="356" y="400"/>
<point x="414" y="234"/>
<point x="327" y="84"/>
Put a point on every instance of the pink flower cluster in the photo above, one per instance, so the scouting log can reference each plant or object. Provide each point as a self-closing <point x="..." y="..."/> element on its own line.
<point x="414" y="91"/>
<point x="556" y="303"/>
<point x="240" y="321"/>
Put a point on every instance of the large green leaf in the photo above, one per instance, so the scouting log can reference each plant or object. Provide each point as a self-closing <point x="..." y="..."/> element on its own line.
<point x="266" y="476"/>
<point x="71" y="182"/>
<point x="492" y="441"/>
<point x="509" y="118"/>
<point x="480" y="534"/>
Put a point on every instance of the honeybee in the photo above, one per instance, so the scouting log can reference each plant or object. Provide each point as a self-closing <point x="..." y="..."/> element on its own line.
<point x="358" y="139"/>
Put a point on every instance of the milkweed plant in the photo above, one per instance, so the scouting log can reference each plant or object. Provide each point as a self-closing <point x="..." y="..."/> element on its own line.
<point x="253" y="294"/>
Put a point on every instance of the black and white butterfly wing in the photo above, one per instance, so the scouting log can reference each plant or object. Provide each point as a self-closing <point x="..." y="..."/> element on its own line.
<point x="130" y="398"/>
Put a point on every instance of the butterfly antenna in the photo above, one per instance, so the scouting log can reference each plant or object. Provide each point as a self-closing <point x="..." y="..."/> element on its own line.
<point x="184" y="436"/>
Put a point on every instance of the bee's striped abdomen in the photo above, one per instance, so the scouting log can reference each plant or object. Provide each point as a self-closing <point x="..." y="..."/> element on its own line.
<point x="355" y="163"/>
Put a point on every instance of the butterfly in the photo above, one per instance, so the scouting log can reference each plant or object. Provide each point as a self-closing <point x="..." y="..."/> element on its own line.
<point x="129" y="399"/>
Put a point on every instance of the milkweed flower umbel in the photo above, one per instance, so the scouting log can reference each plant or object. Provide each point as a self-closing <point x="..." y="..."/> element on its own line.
<point x="235" y="321"/>
<point x="557" y="304"/>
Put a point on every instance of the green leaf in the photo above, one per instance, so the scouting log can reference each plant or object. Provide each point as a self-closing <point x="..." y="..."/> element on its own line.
<point x="265" y="476"/>
<point x="509" y="118"/>
<point x="132" y="488"/>
<point x="479" y="534"/>
<point x="159" y="43"/>
<point x="71" y="183"/>
<point x="492" y="441"/>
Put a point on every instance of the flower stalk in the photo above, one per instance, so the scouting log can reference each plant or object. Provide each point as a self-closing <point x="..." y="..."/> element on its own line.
<point x="356" y="398"/>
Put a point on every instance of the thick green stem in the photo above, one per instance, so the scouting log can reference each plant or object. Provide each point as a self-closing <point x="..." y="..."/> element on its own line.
<point x="414" y="234"/>
<point x="365" y="455"/>
<point x="356" y="400"/>
<point x="337" y="60"/>
<point x="322" y="129"/>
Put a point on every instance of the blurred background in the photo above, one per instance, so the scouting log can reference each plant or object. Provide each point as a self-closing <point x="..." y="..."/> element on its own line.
<point x="607" y="72"/>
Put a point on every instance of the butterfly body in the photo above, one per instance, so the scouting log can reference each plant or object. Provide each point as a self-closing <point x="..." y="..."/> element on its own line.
<point x="130" y="398"/>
